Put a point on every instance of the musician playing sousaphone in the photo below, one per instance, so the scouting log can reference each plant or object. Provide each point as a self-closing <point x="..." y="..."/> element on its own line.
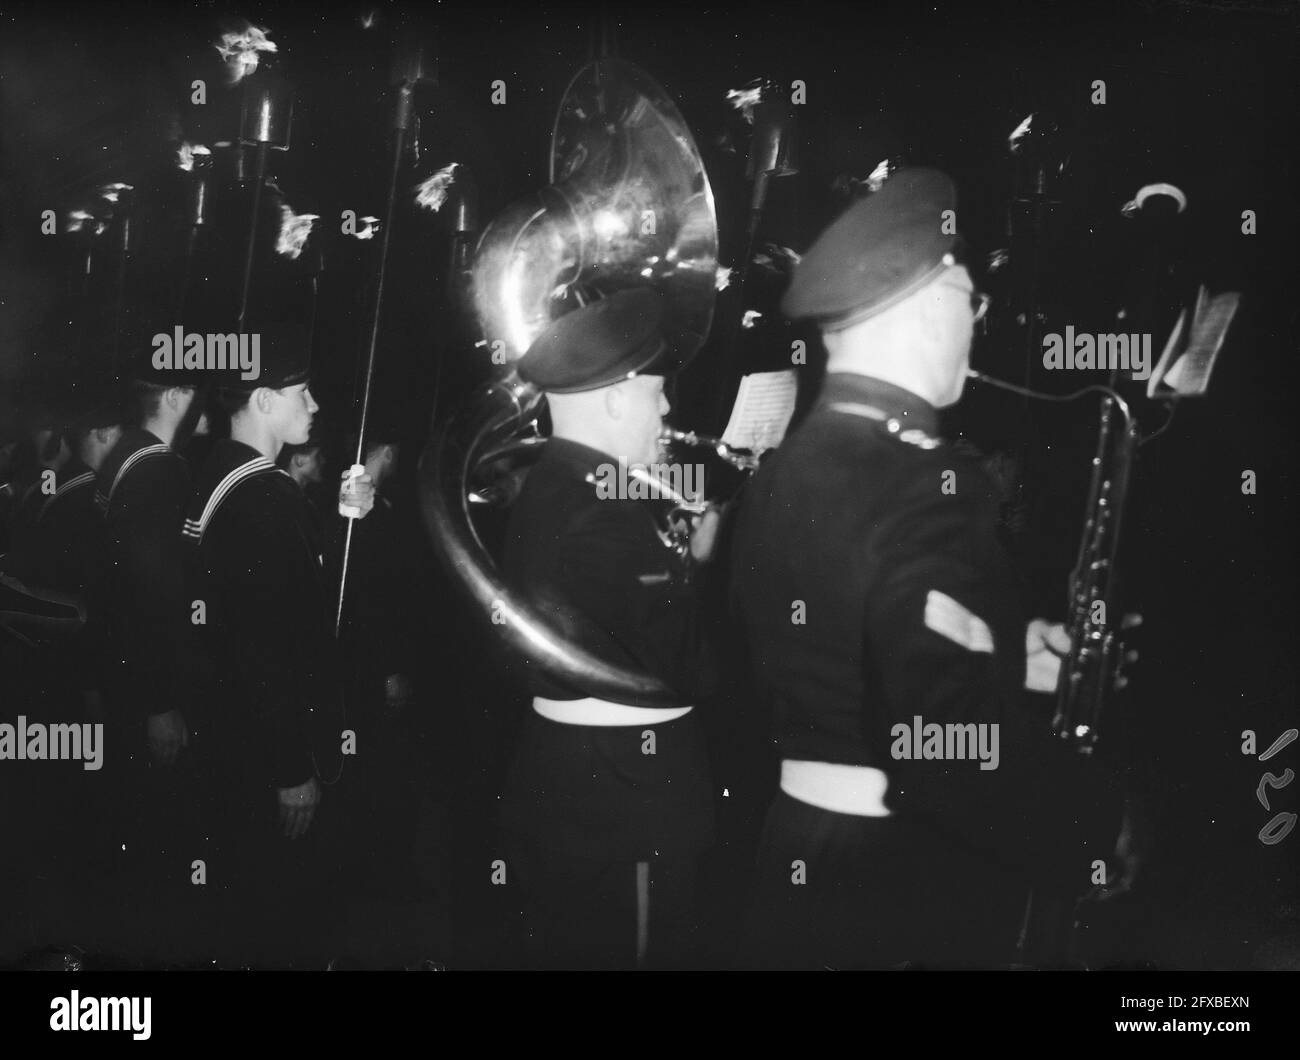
<point x="608" y="805"/>
<point x="921" y="792"/>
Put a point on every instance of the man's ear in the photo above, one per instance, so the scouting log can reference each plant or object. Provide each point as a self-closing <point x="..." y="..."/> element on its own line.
<point x="174" y="395"/>
<point x="262" y="398"/>
<point x="298" y="459"/>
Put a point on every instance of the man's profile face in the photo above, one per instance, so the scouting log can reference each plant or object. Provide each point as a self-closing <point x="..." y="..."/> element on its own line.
<point x="952" y="313"/>
<point x="292" y="410"/>
<point x="644" y="407"/>
<point x="956" y="289"/>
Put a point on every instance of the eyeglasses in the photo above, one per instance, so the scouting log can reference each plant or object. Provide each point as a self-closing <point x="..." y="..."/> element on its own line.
<point x="979" y="302"/>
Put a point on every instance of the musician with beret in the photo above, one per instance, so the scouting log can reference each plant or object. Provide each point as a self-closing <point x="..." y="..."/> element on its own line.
<point x="609" y="805"/>
<point x="880" y="609"/>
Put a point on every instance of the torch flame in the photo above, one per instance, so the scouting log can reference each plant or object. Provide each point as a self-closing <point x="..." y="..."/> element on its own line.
<point x="751" y="317"/>
<point x="113" y="192"/>
<point x="432" y="193"/>
<point x="746" y="99"/>
<point x="78" y="219"/>
<point x="1019" y="133"/>
<point x="722" y="278"/>
<point x="877" y="177"/>
<point x="239" y="50"/>
<point x="294" y="230"/>
<point x="185" y="155"/>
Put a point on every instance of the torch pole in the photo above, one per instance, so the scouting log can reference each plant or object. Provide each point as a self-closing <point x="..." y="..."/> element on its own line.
<point x="406" y="92"/>
<point x="259" y="180"/>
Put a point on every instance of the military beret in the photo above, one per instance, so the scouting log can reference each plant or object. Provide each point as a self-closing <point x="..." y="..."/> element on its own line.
<point x="599" y="344"/>
<point x="880" y="250"/>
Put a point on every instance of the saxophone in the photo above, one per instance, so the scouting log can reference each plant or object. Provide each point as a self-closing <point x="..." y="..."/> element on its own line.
<point x="1092" y="667"/>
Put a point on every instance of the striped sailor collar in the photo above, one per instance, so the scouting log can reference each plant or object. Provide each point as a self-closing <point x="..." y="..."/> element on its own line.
<point x="73" y="476"/>
<point x="131" y="442"/>
<point x="135" y="446"/>
<point x="228" y="465"/>
<point x="228" y="455"/>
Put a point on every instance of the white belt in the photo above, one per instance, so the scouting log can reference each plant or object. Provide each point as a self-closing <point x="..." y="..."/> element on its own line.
<point x="858" y="790"/>
<point x="592" y="711"/>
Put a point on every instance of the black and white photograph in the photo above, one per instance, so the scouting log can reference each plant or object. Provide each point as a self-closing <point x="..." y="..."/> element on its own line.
<point x="623" y="487"/>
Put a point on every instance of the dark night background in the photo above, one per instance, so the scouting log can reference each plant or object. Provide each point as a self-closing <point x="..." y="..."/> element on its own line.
<point x="1197" y="95"/>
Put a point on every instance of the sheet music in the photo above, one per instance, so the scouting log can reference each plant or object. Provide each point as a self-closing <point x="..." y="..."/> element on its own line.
<point x="762" y="411"/>
<point x="1185" y="366"/>
<point x="1167" y="355"/>
<point x="1191" y="374"/>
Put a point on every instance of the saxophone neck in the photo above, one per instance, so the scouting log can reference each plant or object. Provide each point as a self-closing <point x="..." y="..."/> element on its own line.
<point x="742" y="459"/>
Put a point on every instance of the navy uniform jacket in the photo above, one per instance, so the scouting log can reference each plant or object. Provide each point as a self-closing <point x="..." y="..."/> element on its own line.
<point x="271" y="706"/>
<point x="142" y="490"/>
<point x="65" y="549"/>
<point x="870" y="597"/>
<point x="24" y="513"/>
<point x="65" y="552"/>
<point x="599" y="572"/>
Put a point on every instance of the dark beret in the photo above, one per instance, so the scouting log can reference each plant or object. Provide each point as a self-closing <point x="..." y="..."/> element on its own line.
<point x="880" y="250"/>
<point x="599" y="344"/>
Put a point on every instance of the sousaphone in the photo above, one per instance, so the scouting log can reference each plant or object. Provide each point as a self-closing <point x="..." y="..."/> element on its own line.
<point x="629" y="205"/>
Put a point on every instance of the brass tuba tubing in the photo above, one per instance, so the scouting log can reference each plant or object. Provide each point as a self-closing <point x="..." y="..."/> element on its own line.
<point x="444" y="467"/>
